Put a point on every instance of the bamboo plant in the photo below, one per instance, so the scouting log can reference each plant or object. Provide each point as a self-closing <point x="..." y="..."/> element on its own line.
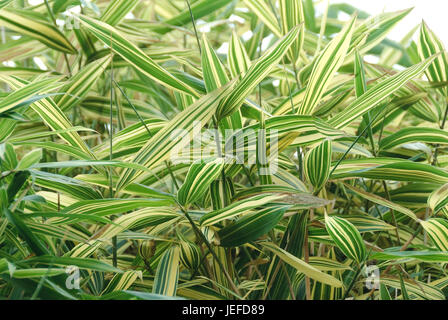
<point x="316" y="162"/>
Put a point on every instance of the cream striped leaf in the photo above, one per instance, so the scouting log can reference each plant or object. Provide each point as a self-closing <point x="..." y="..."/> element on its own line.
<point x="133" y="55"/>
<point x="325" y="66"/>
<point x="256" y="73"/>
<point x="416" y="289"/>
<point x="140" y="219"/>
<point x="395" y="171"/>
<point x="214" y="72"/>
<point x="239" y="61"/>
<point x="383" y="202"/>
<point x="377" y="94"/>
<point x="438" y="200"/>
<point x="122" y="281"/>
<point x="80" y="84"/>
<point x="415" y="134"/>
<point x="292" y="14"/>
<point x="318" y="164"/>
<point x="265" y="14"/>
<point x="29" y="159"/>
<point x="374" y="30"/>
<point x="159" y="147"/>
<point x="167" y="274"/>
<point x="190" y="255"/>
<point x="303" y="267"/>
<point x="251" y="227"/>
<point x="53" y="117"/>
<point x="106" y="207"/>
<point x="238" y="208"/>
<point x="346" y="237"/>
<point x="25" y="23"/>
<point x="117" y="10"/>
<point x="200" y="175"/>
<point x="221" y="193"/>
<point x="27" y="92"/>
<point x="428" y="45"/>
<point x="437" y="229"/>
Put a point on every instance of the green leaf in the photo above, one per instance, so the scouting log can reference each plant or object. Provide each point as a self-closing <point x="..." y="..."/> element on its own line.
<point x="325" y="67"/>
<point x="159" y="147"/>
<point x="317" y="164"/>
<point x="302" y="266"/>
<point x="165" y="281"/>
<point x="117" y="10"/>
<point x="35" y="244"/>
<point x="200" y="175"/>
<point x="250" y="227"/>
<point x="25" y="22"/>
<point x="438" y="200"/>
<point x="30" y="159"/>
<point x="84" y="263"/>
<point x="133" y="55"/>
<point x="437" y="230"/>
<point x="346" y="237"/>
<point x="377" y="94"/>
<point x="428" y="46"/>
<point x="256" y="73"/>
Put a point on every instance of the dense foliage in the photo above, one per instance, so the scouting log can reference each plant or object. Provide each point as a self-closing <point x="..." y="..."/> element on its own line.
<point x="332" y="183"/>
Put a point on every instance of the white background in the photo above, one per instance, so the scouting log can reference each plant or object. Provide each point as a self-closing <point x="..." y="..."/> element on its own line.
<point x="434" y="12"/>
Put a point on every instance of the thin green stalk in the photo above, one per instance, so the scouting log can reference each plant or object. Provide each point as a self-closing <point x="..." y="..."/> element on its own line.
<point x="353" y="144"/>
<point x="194" y="26"/>
<point x="210" y="248"/>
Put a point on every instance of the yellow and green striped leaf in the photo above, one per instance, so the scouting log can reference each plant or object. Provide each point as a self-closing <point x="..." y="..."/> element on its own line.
<point x="159" y="147"/>
<point x="428" y="45"/>
<point x="25" y="23"/>
<point x="303" y="267"/>
<point x="239" y="61"/>
<point x="292" y="14"/>
<point x="167" y="274"/>
<point x="346" y="237"/>
<point x="318" y="164"/>
<point x="437" y="229"/>
<point x="117" y="10"/>
<point x="133" y="54"/>
<point x="214" y="72"/>
<point x="383" y="202"/>
<point x="325" y="67"/>
<point x="199" y="178"/>
<point x="26" y="93"/>
<point x="80" y="84"/>
<point x="265" y="14"/>
<point x="438" y="200"/>
<point x="394" y="171"/>
<point x="256" y="73"/>
<point x="250" y="227"/>
<point x="52" y="117"/>
<point x="410" y="135"/>
<point x="239" y="208"/>
<point x="377" y="94"/>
